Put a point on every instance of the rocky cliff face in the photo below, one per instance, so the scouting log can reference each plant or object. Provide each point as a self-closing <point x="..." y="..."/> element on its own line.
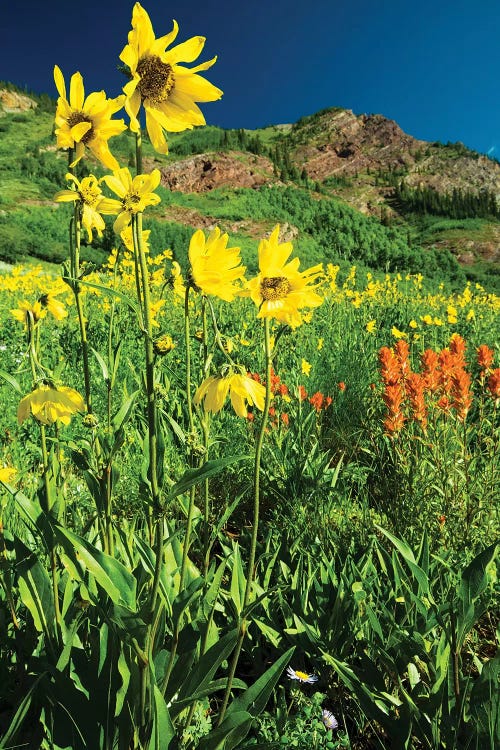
<point x="342" y="143"/>
<point x="204" y="172"/>
<point x="11" y="101"/>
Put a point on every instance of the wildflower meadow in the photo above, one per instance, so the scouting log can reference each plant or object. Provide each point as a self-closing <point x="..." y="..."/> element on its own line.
<point x="240" y="507"/>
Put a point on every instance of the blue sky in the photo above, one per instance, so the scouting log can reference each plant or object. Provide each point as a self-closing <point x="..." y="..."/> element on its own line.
<point x="432" y="65"/>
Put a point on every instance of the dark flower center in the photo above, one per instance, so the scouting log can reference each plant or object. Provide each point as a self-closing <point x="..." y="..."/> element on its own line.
<point x="130" y="202"/>
<point x="157" y="79"/>
<point x="76" y="118"/>
<point x="274" y="287"/>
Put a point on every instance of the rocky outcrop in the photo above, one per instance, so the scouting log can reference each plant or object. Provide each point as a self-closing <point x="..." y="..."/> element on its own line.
<point x="342" y="143"/>
<point x="203" y="172"/>
<point x="11" y="101"/>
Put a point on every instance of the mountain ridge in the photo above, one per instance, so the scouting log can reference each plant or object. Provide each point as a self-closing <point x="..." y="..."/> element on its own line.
<point x="444" y="197"/>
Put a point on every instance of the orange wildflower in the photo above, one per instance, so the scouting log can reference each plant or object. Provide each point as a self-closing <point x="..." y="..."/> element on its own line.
<point x="462" y="397"/>
<point x="430" y="372"/>
<point x="415" y="388"/>
<point x="485" y="356"/>
<point x="302" y="393"/>
<point x="342" y="386"/>
<point x="494" y="385"/>
<point x="390" y="369"/>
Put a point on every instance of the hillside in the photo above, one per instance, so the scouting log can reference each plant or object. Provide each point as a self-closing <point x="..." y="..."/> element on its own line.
<point x="348" y="188"/>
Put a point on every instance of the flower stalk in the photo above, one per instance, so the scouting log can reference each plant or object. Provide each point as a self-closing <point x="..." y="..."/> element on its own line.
<point x="255" y="523"/>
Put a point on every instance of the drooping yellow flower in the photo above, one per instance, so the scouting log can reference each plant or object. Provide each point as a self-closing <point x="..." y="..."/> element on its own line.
<point x="128" y="240"/>
<point x="49" y="404"/>
<point x="215" y="267"/>
<point x="242" y="389"/>
<point x="90" y="195"/>
<point x="281" y="290"/>
<point x="135" y="194"/>
<point x="54" y="306"/>
<point x="371" y="326"/>
<point x="177" y="281"/>
<point x="29" y="314"/>
<point x="86" y="122"/>
<point x="167" y="90"/>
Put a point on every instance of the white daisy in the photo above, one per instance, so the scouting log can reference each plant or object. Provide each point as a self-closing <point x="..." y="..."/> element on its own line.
<point x="301" y="676"/>
<point x="329" y="720"/>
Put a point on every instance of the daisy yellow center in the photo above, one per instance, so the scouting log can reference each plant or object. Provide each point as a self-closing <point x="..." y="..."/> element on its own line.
<point x="273" y="288"/>
<point x="157" y="79"/>
<point x="302" y="675"/>
<point x="76" y="118"/>
<point x="131" y="203"/>
<point x="91" y="195"/>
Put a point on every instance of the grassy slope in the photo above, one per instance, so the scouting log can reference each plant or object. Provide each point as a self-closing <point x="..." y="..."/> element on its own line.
<point x="329" y="230"/>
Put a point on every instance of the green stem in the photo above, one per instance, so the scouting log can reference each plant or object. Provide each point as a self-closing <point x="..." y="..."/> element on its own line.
<point x="189" y="523"/>
<point x="75" y="285"/>
<point x="255" y="525"/>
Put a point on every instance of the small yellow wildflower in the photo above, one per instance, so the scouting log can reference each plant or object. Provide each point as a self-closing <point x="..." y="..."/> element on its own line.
<point x="320" y="344"/>
<point x="427" y="319"/>
<point x="7" y="474"/>
<point x="470" y="315"/>
<point x="371" y="326"/>
<point x="398" y="334"/>
<point x="163" y="345"/>
<point x="413" y="324"/>
<point x="306" y="367"/>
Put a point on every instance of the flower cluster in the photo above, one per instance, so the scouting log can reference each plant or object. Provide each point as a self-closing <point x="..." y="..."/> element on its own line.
<point x="443" y="383"/>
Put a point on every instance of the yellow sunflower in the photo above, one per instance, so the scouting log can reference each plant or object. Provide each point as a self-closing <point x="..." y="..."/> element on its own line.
<point x="214" y="266"/>
<point x="90" y="194"/>
<point x="135" y="194"/>
<point x="281" y="290"/>
<point x="167" y="90"/>
<point x="49" y="404"/>
<point x="242" y="389"/>
<point x="87" y="121"/>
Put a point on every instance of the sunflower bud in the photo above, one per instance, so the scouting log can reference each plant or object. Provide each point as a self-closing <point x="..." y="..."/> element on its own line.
<point x="163" y="345"/>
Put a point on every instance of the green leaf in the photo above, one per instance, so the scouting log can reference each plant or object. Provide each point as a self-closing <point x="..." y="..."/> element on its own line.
<point x="112" y="293"/>
<point x="103" y="365"/>
<point x="254" y="699"/>
<point x="11" y="381"/>
<point x="231" y="732"/>
<point x="163" y="734"/>
<point x="110" y="574"/>
<point x="208" y="664"/>
<point x="195" y="476"/>
<point x="35" y="589"/>
<point x="7" y="742"/>
<point x="400" y="545"/>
